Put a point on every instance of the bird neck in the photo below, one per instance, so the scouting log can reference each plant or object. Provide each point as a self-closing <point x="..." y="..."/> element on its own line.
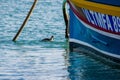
<point x="51" y="38"/>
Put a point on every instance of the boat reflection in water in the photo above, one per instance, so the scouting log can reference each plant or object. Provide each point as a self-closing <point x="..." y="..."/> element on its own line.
<point x="84" y="67"/>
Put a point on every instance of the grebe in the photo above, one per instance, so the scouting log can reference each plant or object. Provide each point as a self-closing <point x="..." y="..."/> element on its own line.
<point x="48" y="39"/>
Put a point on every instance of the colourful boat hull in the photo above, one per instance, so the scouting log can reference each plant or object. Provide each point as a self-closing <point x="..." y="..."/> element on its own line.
<point x="94" y="30"/>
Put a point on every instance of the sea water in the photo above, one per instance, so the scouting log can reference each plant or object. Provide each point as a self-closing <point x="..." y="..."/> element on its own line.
<point x="30" y="59"/>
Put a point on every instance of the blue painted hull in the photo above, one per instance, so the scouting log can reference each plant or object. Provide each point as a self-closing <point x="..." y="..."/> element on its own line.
<point x="81" y="36"/>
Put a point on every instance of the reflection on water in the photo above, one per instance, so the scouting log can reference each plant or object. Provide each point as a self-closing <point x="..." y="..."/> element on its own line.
<point x="83" y="67"/>
<point x="26" y="62"/>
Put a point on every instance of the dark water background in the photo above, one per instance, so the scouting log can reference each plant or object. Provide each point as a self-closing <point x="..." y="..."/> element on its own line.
<point x="31" y="59"/>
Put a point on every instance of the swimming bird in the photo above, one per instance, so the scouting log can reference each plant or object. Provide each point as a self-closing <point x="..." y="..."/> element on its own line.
<point x="48" y="39"/>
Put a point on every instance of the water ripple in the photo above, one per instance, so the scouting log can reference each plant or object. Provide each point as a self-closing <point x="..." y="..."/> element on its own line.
<point x="29" y="58"/>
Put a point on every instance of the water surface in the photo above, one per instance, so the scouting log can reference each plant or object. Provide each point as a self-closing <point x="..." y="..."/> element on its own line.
<point x="30" y="59"/>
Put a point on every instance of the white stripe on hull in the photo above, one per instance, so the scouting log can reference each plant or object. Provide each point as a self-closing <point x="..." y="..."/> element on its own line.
<point x="86" y="44"/>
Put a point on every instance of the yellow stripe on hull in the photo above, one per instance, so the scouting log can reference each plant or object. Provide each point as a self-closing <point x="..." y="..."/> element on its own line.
<point x="98" y="7"/>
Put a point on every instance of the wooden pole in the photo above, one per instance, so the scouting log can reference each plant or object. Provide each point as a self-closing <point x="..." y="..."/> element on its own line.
<point x="25" y="21"/>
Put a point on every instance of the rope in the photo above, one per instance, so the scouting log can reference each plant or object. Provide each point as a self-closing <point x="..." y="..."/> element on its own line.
<point x="65" y="18"/>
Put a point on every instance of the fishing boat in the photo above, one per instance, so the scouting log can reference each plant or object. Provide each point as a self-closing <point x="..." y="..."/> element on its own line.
<point x="94" y="25"/>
